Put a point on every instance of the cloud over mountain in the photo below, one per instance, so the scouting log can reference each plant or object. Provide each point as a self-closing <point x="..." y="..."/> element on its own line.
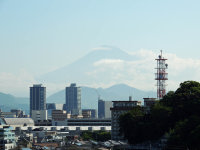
<point x="106" y="66"/>
<point x="103" y="67"/>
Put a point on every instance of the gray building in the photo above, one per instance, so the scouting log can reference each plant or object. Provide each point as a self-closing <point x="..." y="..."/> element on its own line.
<point x="92" y="111"/>
<point x="37" y="97"/>
<point x="53" y="106"/>
<point x="119" y="108"/>
<point x="104" y="109"/>
<point x="7" y="138"/>
<point x="73" y="99"/>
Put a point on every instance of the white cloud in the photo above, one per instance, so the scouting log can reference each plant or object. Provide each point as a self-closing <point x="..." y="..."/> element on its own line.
<point x="137" y="73"/>
<point x="17" y="84"/>
<point x="140" y="73"/>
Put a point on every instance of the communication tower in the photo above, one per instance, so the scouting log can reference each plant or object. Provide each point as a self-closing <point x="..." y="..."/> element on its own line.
<point x="161" y="76"/>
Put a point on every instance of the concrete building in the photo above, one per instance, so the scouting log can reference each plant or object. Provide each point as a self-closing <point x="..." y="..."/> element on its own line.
<point x="37" y="98"/>
<point x="19" y="122"/>
<point x="82" y="122"/>
<point x="119" y="108"/>
<point x="149" y="102"/>
<point x="104" y="109"/>
<point x="18" y="112"/>
<point x="88" y="122"/>
<point x="39" y="115"/>
<point x="59" y="117"/>
<point x="89" y="113"/>
<point x="86" y="113"/>
<point x="73" y="99"/>
<point x="7" y="115"/>
<point x="7" y="138"/>
<point x="53" y="106"/>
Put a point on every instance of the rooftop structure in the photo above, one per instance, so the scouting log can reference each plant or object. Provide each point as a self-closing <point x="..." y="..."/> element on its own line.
<point x="19" y="121"/>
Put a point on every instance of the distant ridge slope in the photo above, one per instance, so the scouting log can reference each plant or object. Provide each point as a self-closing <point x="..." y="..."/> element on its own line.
<point x="80" y="70"/>
<point x="115" y="92"/>
<point x="8" y="101"/>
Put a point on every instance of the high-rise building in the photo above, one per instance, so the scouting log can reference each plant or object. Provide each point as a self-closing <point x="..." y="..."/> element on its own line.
<point x="37" y="97"/>
<point x="73" y="99"/>
<point x="104" y="109"/>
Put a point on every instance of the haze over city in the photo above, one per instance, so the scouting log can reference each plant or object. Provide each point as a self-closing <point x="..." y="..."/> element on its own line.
<point x="40" y="37"/>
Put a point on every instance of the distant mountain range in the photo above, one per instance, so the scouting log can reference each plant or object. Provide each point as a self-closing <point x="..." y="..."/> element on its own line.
<point x="85" y="71"/>
<point x="89" y="97"/>
<point x="102" y="67"/>
<point x="8" y="101"/>
<point x="116" y="92"/>
<point x="105" y="65"/>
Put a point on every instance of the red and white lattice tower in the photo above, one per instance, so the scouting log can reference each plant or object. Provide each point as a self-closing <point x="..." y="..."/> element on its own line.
<point x="161" y="76"/>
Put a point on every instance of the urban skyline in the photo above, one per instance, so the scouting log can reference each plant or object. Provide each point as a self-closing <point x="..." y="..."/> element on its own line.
<point x="138" y="28"/>
<point x="136" y="64"/>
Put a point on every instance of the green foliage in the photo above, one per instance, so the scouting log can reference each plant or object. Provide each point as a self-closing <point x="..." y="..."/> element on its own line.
<point x="177" y="114"/>
<point x="87" y="135"/>
<point x="96" y="135"/>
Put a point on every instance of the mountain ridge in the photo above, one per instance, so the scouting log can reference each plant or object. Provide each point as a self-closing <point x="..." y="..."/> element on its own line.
<point x="90" y="95"/>
<point x="81" y="69"/>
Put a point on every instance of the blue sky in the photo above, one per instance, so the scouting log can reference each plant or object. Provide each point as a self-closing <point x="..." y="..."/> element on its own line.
<point x="39" y="36"/>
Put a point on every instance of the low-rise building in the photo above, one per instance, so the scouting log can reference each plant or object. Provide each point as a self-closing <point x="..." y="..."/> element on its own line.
<point x="7" y="138"/>
<point x="7" y="115"/>
<point x="39" y="115"/>
<point x="89" y="113"/>
<point x="119" y="108"/>
<point x="18" y="112"/>
<point x="148" y="103"/>
<point x="19" y="122"/>
<point x="53" y="106"/>
<point x="104" y="109"/>
<point x="89" y="122"/>
<point x="59" y="117"/>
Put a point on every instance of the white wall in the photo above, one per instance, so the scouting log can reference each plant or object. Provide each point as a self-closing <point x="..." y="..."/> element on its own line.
<point x="39" y="115"/>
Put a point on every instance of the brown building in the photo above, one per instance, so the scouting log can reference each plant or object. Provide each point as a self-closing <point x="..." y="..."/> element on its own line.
<point x="60" y="115"/>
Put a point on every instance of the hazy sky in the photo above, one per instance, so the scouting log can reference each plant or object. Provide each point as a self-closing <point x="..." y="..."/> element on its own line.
<point x="39" y="36"/>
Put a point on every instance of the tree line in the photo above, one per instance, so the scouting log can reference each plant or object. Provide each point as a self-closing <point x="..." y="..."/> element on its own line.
<point x="176" y="117"/>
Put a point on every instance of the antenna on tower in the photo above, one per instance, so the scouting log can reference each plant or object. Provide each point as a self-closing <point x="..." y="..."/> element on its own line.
<point x="161" y="76"/>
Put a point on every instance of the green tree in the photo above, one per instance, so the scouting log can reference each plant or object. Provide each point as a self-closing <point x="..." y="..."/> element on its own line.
<point x="177" y="114"/>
